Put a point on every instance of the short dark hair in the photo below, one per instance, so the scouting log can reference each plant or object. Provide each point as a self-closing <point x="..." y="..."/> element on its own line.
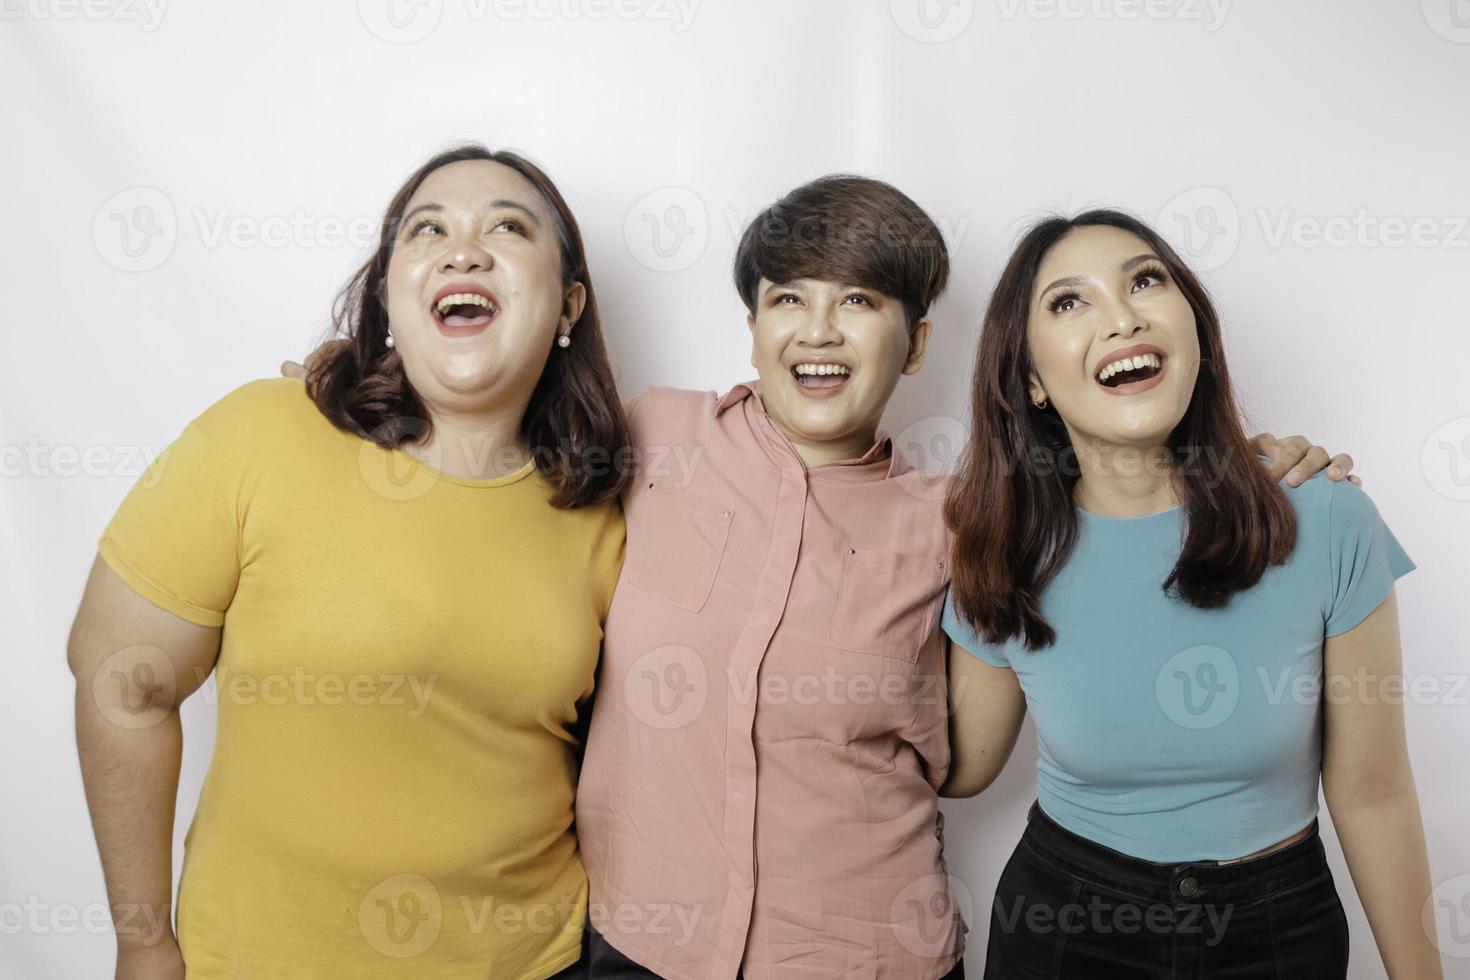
<point x="854" y="230"/>
<point x="574" y="423"/>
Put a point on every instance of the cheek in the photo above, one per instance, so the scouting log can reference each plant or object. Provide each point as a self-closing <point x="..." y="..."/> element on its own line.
<point x="404" y="285"/>
<point x="768" y="339"/>
<point x="1060" y="357"/>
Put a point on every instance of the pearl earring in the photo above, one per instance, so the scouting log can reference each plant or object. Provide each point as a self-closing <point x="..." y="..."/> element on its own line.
<point x="389" y="341"/>
<point x="564" y="341"/>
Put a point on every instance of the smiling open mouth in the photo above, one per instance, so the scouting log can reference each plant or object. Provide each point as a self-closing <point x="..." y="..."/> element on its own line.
<point x="464" y="311"/>
<point x="1128" y="371"/>
<point x="821" y="376"/>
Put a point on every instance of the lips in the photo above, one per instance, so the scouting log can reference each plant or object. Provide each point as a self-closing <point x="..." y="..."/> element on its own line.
<point x="463" y="309"/>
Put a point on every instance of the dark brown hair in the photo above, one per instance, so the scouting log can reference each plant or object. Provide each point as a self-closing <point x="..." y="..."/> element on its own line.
<point x="846" y="229"/>
<point x="1011" y="507"/>
<point x="574" y="423"/>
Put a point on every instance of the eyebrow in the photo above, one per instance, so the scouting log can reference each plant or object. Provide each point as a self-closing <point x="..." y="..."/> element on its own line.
<point x="1128" y="266"/>
<point x="792" y="284"/>
<point x="495" y="205"/>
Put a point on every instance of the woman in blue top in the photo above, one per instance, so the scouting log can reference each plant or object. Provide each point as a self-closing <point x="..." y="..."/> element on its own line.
<point x="1197" y="644"/>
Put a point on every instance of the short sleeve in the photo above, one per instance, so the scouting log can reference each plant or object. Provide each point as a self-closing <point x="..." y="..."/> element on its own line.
<point x="175" y="540"/>
<point x="960" y="632"/>
<point x="1365" y="560"/>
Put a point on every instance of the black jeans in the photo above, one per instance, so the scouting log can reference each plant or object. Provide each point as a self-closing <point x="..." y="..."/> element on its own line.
<point x="602" y="962"/>
<point x="1066" y="907"/>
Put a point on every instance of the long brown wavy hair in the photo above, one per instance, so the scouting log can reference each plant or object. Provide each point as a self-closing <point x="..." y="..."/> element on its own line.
<point x="1011" y="506"/>
<point x="574" y="423"/>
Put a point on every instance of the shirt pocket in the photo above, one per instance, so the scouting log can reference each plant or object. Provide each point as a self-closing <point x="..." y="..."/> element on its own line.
<point x="676" y="542"/>
<point x="887" y="602"/>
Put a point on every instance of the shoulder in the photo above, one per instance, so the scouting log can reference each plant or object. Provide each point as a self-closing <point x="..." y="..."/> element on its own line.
<point x="669" y="413"/>
<point x="257" y="416"/>
<point x="275" y="399"/>
<point x="1331" y="503"/>
<point x="676" y="399"/>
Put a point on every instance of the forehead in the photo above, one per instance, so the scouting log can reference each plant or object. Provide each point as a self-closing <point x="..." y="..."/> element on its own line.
<point x="1092" y="250"/>
<point x="471" y="185"/>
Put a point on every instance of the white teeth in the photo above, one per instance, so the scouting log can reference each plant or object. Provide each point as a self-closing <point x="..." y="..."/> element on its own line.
<point x="464" y="299"/>
<point x="1129" y="364"/>
<point x="822" y="369"/>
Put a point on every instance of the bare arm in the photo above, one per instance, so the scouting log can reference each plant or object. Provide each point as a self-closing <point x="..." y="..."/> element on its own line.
<point x="134" y="664"/>
<point x="986" y="708"/>
<point x="1370" y="793"/>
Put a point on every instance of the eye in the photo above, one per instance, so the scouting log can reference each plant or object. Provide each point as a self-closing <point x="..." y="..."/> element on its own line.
<point x="859" y="297"/>
<point x="421" y="225"/>
<point x="511" y="224"/>
<point x="1064" y="302"/>
<point x="1149" y="276"/>
<point x="783" y="297"/>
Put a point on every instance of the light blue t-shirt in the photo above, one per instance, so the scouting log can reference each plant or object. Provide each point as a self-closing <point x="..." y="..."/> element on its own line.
<point x="1172" y="733"/>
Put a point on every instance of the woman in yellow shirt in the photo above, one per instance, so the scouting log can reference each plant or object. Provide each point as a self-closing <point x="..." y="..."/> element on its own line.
<point x="398" y="573"/>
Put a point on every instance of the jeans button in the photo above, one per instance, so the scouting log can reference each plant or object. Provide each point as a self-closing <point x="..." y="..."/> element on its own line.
<point x="1189" y="887"/>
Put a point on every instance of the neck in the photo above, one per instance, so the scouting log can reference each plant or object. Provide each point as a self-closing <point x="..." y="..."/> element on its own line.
<point x="820" y="453"/>
<point x="1124" y="481"/>
<point x="473" y="445"/>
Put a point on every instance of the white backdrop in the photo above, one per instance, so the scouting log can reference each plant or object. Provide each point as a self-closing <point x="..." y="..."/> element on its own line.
<point x="186" y="185"/>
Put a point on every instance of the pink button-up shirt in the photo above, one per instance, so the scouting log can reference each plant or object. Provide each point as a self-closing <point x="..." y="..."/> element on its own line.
<point x="758" y="793"/>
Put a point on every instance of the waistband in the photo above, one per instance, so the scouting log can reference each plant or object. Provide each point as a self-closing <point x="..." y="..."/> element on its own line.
<point x="1184" y="883"/>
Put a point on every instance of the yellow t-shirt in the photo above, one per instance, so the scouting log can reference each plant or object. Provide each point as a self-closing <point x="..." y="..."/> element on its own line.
<point x="401" y="662"/>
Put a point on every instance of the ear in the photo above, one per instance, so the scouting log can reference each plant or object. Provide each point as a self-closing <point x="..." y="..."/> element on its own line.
<point x="1034" y="390"/>
<point x="750" y="325"/>
<point x="918" y="344"/>
<point x="572" y="304"/>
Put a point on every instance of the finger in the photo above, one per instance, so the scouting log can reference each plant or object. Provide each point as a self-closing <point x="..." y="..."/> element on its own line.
<point x="1356" y="479"/>
<point x="1340" y="466"/>
<point x="1290" y="451"/>
<point x="1265" y="442"/>
<point x="291" y="369"/>
<point x="1314" y="461"/>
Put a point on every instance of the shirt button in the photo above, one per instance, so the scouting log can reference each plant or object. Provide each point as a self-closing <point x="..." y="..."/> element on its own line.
<point x="1189" y="887"/>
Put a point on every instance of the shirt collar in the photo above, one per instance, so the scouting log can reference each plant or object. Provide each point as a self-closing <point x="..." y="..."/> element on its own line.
<point x="881" y="449"/>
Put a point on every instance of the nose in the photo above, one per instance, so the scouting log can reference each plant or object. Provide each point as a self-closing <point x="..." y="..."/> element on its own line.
<point x="466" y="255"/>
<point x="1123" y="319"/>
<point x="819" y="329"/>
